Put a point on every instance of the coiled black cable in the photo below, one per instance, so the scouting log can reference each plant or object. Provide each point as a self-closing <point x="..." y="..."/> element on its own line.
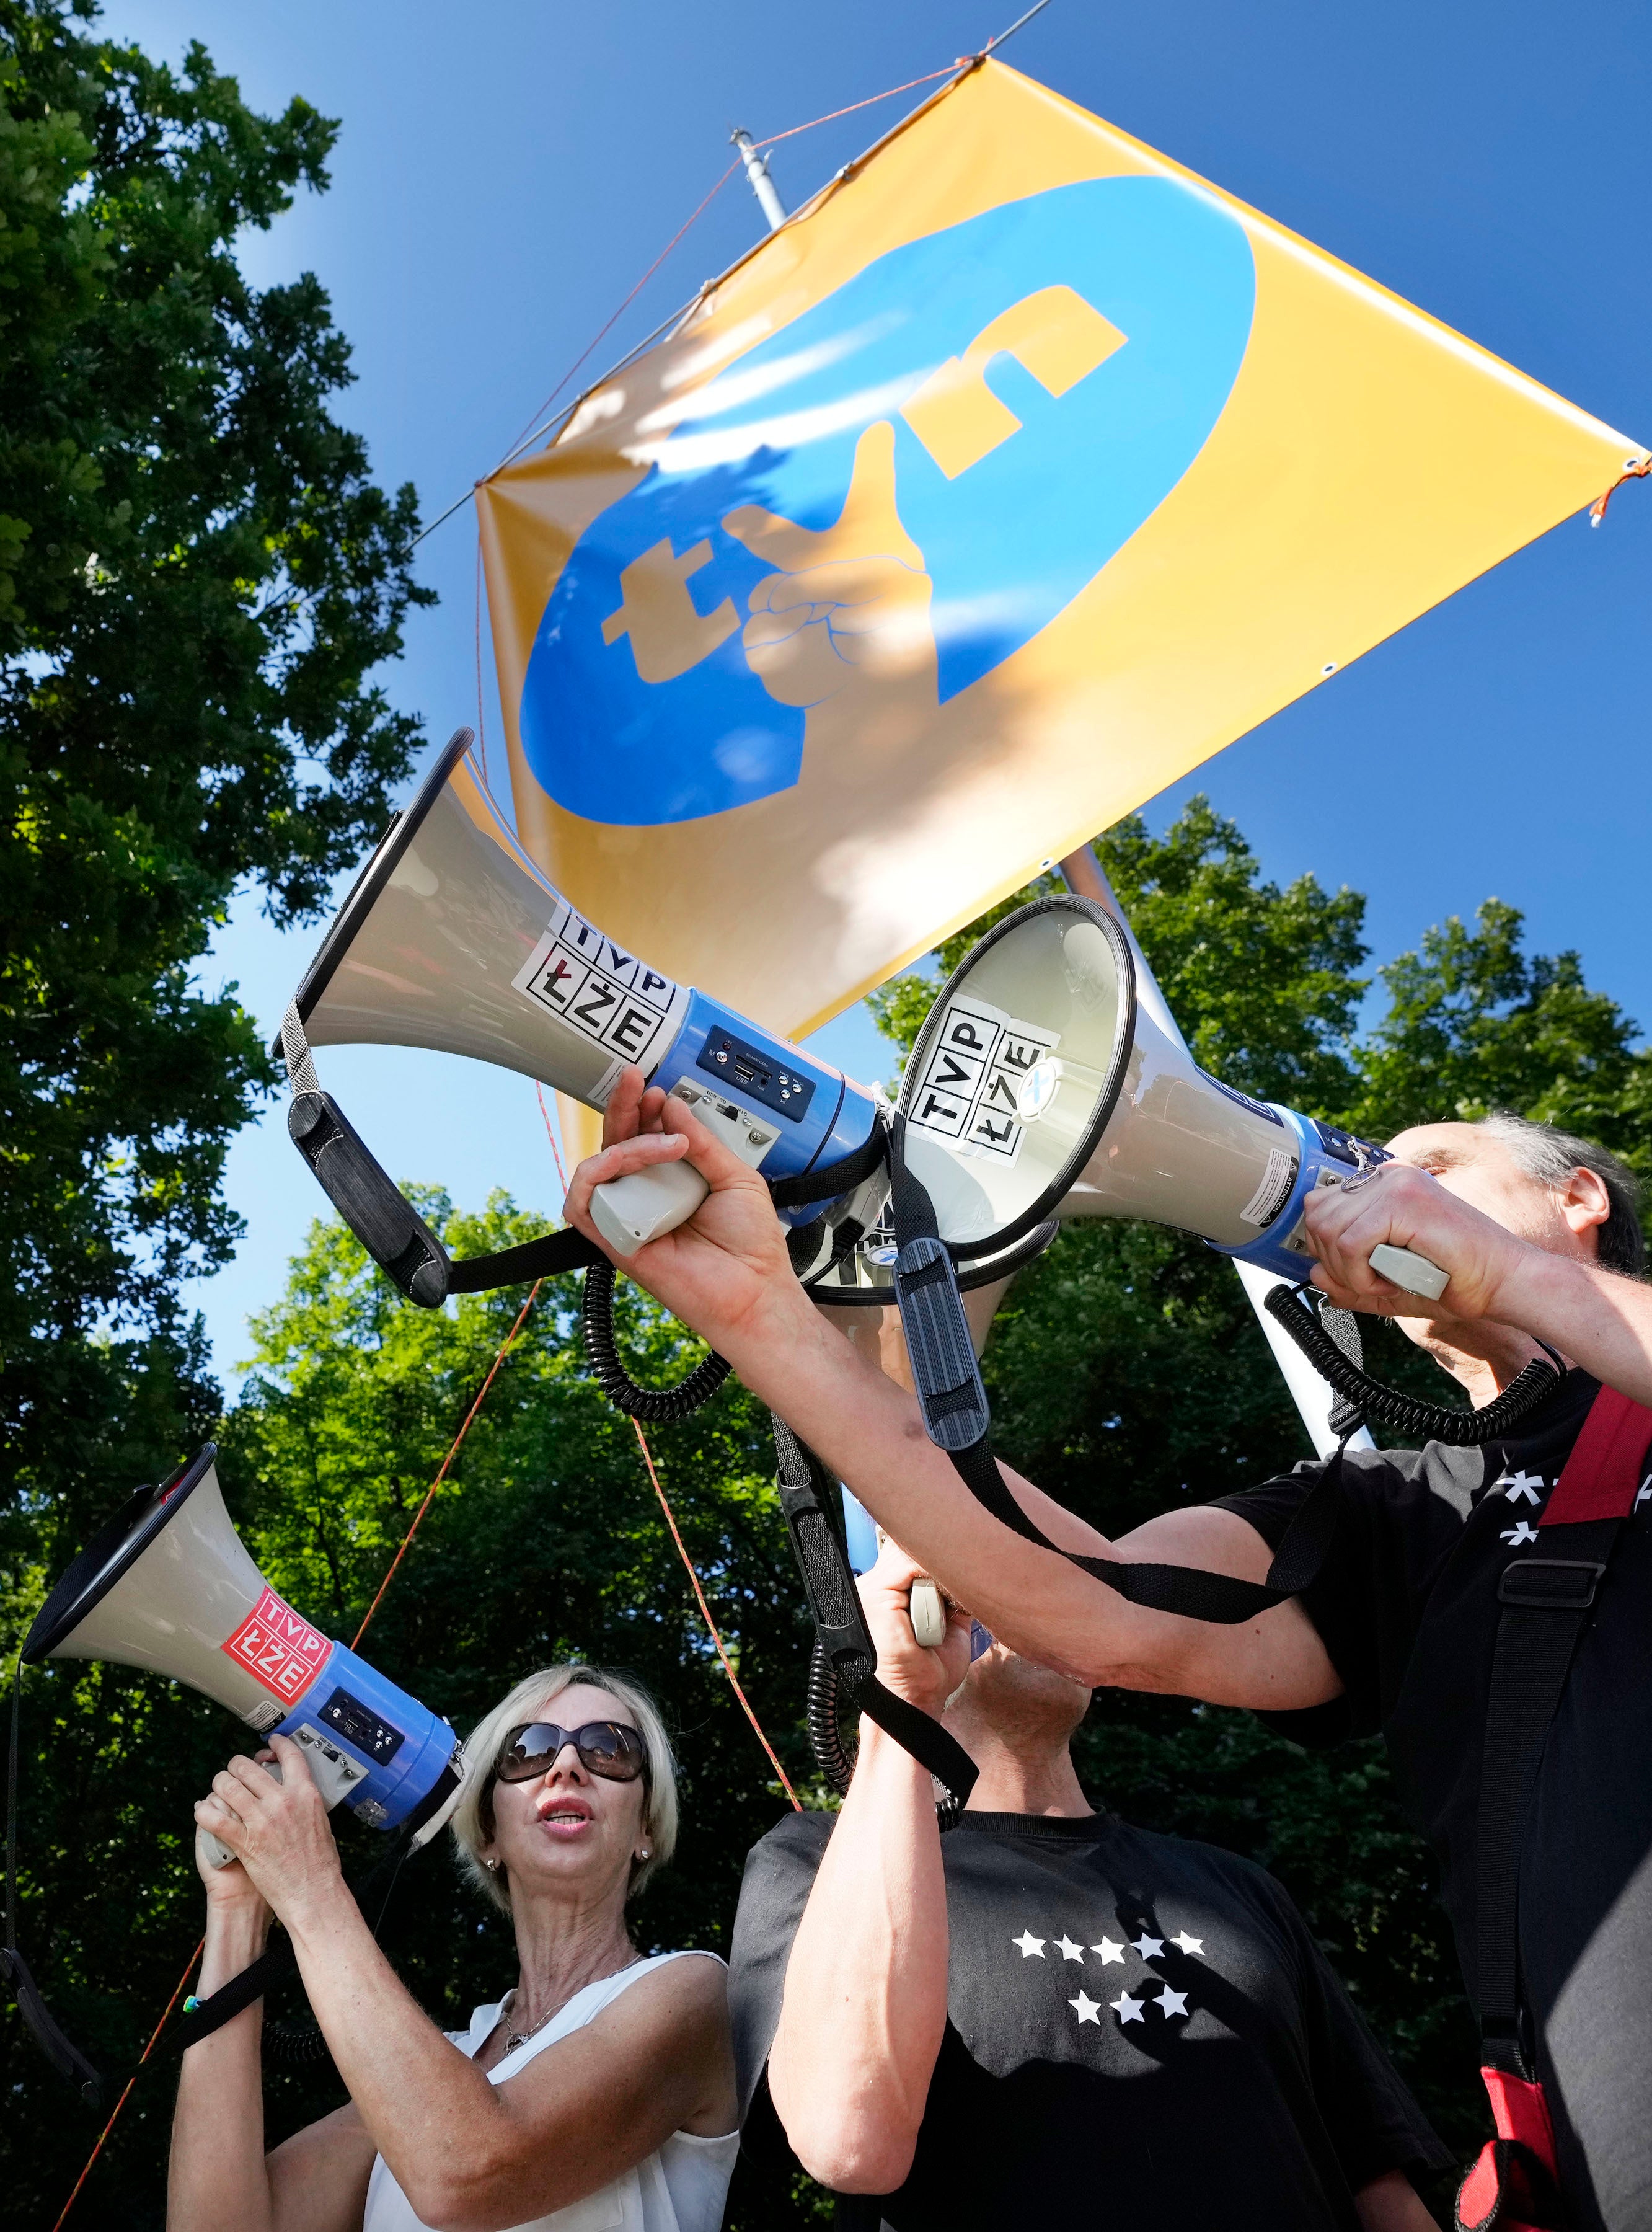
<point x="1405" y="1414"/>
<point x="655" y="1406"/>
<point x="296" y="2042"/>
<point x="832" y="1754"/>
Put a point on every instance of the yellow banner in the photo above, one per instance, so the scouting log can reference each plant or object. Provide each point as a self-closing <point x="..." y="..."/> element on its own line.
<point x="1018" y="475"/>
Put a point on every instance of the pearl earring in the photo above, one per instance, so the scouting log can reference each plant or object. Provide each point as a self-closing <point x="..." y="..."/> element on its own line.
<point x="492" y="1866"/>
<point x="642" y="1855"/>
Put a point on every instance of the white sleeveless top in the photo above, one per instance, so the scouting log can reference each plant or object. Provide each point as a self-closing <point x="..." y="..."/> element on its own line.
<point x="680" y="2189"/>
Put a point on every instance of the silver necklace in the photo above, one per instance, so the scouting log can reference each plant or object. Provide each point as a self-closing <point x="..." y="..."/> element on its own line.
<point x="515" y="2038"/>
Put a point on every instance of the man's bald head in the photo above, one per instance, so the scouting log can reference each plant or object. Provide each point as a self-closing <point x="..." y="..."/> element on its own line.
<point x="1559" y="1192"/>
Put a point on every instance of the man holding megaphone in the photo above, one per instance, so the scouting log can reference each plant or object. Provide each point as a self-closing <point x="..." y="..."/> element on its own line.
<point x="1484" y="1607"/>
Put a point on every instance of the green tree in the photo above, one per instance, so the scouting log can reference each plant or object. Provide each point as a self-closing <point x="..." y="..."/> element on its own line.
<point x="197" y="577"/>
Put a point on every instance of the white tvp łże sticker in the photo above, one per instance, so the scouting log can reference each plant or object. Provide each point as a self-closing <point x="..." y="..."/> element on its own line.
<point x="598" y="990"/>
<point x="972" y="1092"/>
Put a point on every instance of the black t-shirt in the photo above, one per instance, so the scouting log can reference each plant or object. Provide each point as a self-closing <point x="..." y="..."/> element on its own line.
<point x="1406" y="1605"/>
<point x="1137" y="2027"/>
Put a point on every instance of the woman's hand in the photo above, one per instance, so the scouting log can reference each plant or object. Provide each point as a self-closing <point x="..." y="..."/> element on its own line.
<point x="278" y="1831"/>
<point x="925" y="1679"/>
<point x="723" y="1270"/>
<point x="1408" y="1208"/>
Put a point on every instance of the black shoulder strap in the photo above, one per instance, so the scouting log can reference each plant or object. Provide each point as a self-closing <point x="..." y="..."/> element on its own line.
<point x="1547" y="1604"/>
<point x="397" y="1237"/>
<point x="841" y="1628"/>
<point x="956" y="1415"/>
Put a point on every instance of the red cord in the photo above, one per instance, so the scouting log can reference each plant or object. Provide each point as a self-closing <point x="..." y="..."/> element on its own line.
<point x="870" y="101"/>
<point x="705" y="1614"/>
<point x="550" y="1133"/>
<point x="621" y="312"/>
<point x="406" y="1541"/>
<point x="131" y="2081"/>
<point x="682" y="1548"/>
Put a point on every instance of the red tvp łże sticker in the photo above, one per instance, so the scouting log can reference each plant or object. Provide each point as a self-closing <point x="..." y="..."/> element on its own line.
<point x="279" y="1647"/>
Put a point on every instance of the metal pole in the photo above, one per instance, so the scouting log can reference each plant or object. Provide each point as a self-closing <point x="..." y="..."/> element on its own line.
<point x="1083" y="873"/>
<point x="758" y="179"/>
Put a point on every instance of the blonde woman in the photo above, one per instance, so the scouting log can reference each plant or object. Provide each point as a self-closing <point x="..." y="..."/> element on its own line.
<point x="597" y="2096"/>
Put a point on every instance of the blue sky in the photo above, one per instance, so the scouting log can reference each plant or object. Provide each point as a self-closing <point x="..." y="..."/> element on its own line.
<point x="505" y="172"/>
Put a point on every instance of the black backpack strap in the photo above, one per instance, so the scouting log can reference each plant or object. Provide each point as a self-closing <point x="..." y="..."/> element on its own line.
<point x="843" y="1641"/>
<point x="1546" y="1604"/>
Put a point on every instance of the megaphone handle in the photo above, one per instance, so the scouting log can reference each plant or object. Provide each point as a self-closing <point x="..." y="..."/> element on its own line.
<point x="926" y="1608"/>
<point x="218" y="1854"/>
<point x="1403" y="1267"/>
<point x="630" y="1211"/>
<point x="929" y="1614"/>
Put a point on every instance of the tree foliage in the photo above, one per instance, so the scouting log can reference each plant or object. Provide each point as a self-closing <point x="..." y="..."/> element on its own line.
<point x="197" y="577"/>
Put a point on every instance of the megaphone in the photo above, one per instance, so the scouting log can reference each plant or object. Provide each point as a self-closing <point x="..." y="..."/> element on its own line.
<point x="1040" y="1088"/>
<point x="452" y="939"/>
<point x="169" y="1585"/>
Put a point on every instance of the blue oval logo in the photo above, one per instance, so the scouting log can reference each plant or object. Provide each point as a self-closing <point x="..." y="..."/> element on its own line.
<point x="887" y="498"/>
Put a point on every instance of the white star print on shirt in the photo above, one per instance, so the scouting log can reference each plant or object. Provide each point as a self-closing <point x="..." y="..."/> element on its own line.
<point x="1523" y="1532"/>
<point x="1174" y="2003"/>
<point x="1127" y="2009"/>
<point x="1069" y="1950"/>
<point x="1029" y="1945"/>
<point x="1189" y="1944"/>
<point x="1110" y="1951"/>
<point x="1151" y="1949"/>
<point x="1088" y="2010"/>
<point x="1644" y="1491"/>
<point x="1515" y="1485"/>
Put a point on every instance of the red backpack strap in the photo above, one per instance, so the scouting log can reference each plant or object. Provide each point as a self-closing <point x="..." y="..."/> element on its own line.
<point x="1513" y="2186"/>
<point x="1547" y="1601"/>
<point x="1602" y="1476"/>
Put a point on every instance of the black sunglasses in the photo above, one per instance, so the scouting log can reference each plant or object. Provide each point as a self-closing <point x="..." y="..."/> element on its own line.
<point x="609" y="1749"/>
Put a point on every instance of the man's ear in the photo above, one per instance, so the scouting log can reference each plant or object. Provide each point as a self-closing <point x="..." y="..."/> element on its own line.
<point x="1585" y="1204"/>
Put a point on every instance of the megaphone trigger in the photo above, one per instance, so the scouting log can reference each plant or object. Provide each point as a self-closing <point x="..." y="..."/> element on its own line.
<point x="929" y="1611"/>
<point x="1404" y="1268"/>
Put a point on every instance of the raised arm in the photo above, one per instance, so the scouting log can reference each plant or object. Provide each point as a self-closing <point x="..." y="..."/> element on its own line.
<point x="726" y="1273"/>
<point x="866" y="1997"/>
<point x="218" y="2173"/>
